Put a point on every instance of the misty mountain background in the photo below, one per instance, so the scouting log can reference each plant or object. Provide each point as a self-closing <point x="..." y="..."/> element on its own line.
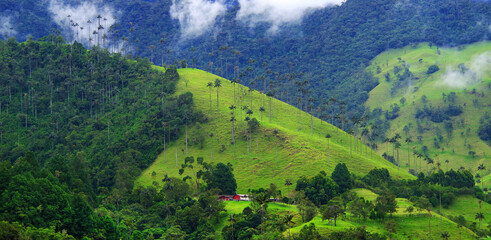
<point x="324" y="47"/>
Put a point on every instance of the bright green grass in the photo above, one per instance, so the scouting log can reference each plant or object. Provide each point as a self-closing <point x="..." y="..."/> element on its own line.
<point x="456" y="149"/>
<point x="414" y="226"/>
<point x="408" y="227"/>
<point x="468" y="206"/>
<point x="299" y="153"/>
<point x="365" y="193"/>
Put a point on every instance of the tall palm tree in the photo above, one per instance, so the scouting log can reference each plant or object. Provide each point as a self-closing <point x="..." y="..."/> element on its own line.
<point x="328" y="136"/>
<point x="262" y="199"/>
<point x="275" y="133"/>
<point x="218" y="84"/>
<point x="480" y="216"/>
<point x="232" y="119"/>
<point x="211" y="146"/>
<point x="429" y="222"/>
<point x="446" y="163"/>
<point x="397" y="145"/>
<point x="428" y="162"/>
<point x="480" y="168"/>
<point x="232" y="220"/>
<point x="445" y="235"/>
<point x="261" y="109"/>
<point x="162" y="42"/>
<point x="288" y="221"/>
<point x="209" y="85"/>
<point x="408" y="141"/>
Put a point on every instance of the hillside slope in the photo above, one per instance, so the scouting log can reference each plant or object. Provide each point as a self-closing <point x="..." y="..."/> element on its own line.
<point x="299" y="152"/>
<point x="462" y="81"/>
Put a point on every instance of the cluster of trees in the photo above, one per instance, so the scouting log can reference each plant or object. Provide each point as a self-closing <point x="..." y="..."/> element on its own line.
<point x="438" y="115"/>
<point x="93" y="119"/>
<point x="349" y="42"/>
<point x="484" y="130"/>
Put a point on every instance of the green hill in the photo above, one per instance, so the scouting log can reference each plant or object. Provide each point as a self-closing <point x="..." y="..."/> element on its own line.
<point x="413" y="226"/>
<point x="299" y="151"/>
<point x="426" y="101"/>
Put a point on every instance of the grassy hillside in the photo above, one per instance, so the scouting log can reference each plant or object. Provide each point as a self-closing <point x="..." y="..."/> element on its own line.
<point x="455" y="143"/>
<point x="299" y="152"/>
<point x="414" y="226"/>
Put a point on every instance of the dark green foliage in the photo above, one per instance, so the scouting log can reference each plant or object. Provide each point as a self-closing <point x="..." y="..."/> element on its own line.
<point x="484" y="130"/>
<point x="309" y="232"/>
<point x="17" y="231"/>
<point x="438" y="115"/>
<point x="221" y="177"/>
<point x="364" y="31"/>
<point x="377" y="177"/>
<point x="342" y="177"/>
<point x="432" y="69"/>
<point x="94" y="120"/>
<point x="385" y="204"/>
<point x="318" y="189"/>
<point x="253" y="124"/>
<point x="356" y="233"/>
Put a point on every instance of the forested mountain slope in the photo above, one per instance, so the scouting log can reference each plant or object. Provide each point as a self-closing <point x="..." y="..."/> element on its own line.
<point x="75" y="126"/>
<point x="331" y="46"/>
<point x="285" y="142"/>
<point x="437" y="99"/>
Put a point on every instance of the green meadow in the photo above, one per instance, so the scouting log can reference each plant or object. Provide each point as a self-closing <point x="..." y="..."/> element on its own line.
<point x="298" y="151"/>
<point x="474" y="97"/>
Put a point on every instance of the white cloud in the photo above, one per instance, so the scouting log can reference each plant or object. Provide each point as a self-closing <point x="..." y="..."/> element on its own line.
<point x="463" y="76"/>
<point x="196" y="16"/>
<point x="6" y="28"/>
<point x="278" y="12"/>
<point x="80" y="14"/>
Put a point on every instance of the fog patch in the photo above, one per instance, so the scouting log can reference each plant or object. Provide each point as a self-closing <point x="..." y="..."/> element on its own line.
<point x="6" y="28"/>
<point x="80" y="21"/>
<point x="279" y="12"/>
<point x="463" y="75"/>
<point x="196" y="16"/>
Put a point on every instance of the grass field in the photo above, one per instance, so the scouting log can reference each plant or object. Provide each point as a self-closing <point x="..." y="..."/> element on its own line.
<point x="408" y="227"/>
<point x="455" y="146"/>
<point x="299" y="152"/>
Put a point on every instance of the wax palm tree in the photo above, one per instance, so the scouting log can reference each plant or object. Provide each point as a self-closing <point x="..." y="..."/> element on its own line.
<point x="328" y="136"/>
<point x="275" y="133"/>
<point x="445" y="235"/>
<point x="350" y="132"/>
<point x="232" y="220"/>
<point x="429" y="222"/>
<point x="408" y="141"/>
<point x="446" y="163"/>
<point x="288" y="220"/>
<point x="480" y="168"/>
<point x="232" y="119"/>
<point x="162" y="42"/>
<point x="211" y="146"/>
<point x="234" y="81"/>
<point x="209" y="85"/>
<point x="364" y="133"/>
<point x="428" y="162"/>
<point x="480" y="216"/>
<point x="261" y="109"/>
<point x="262" y="199"/>
<point x="218" y="84"/>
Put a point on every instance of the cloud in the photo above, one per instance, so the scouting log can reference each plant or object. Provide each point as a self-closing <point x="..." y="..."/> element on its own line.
<point x="279" y="12"/>
<point x="196" y="16"/>
<point x="80" y="15"/>
<point x="6" y="28"/>
<point x="463" y="76"/>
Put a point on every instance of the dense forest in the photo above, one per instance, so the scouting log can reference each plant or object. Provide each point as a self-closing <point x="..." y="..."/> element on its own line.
<point x="78" y="126"/>
<point x="81" y="118"/>
<point x="325" y="54"/>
